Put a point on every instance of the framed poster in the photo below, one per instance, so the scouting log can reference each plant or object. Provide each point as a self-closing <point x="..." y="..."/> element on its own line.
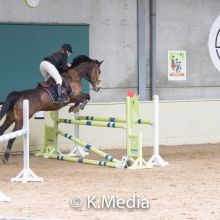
<point x="176" y="65"/>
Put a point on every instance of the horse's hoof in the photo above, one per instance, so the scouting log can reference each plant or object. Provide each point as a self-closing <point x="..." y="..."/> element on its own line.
<point x="82" y="105"/>
<point x="74" y="109"/>
<point x="5" y="161"/>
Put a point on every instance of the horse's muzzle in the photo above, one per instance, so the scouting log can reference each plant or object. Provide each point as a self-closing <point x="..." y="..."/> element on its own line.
<point x="97" y="86"/>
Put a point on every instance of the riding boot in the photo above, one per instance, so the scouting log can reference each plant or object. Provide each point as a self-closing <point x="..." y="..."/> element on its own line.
<point x="59" y="94"/>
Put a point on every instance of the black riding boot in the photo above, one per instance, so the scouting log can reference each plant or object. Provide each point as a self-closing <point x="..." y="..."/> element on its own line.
<point x="59" y="94"/>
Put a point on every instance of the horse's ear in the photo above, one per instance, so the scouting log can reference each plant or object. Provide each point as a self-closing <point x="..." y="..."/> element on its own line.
<point x="99" y="63"/>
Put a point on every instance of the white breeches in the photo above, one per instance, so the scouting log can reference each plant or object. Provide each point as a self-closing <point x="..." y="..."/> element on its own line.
<point x="47" y="69"/>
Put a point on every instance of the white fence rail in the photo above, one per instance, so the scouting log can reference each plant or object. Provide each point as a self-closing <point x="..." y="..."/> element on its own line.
<point x="26" y="175"/>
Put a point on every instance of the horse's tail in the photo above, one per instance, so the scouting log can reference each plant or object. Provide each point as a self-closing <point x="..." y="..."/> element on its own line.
<point x="8" y="104"/>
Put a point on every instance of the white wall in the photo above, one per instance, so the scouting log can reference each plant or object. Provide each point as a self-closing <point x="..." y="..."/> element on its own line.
<point x="181" y="122"/>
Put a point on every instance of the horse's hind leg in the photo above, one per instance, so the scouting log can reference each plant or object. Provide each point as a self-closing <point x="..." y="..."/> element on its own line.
<point x="6" y="124"/>
<point x="8" y="121"/>
<point x="18" y="126"/>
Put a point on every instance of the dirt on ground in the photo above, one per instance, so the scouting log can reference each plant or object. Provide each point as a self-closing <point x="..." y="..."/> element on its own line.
<point x="188" y="188"/>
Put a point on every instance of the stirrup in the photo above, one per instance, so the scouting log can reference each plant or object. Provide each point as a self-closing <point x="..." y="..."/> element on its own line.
<point x="59" y="100"/>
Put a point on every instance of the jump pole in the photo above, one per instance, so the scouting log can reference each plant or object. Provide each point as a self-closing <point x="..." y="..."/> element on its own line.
<point x="54" y="153"/>
<point x="156" y="159"/>
<point x="86" y="161"/>
<point x="89" y="147"/>
<point x="91" y="123"/>
<point x="111" y="119"/>
<point x="26" y="175"/>
<point x="134" y="142"/>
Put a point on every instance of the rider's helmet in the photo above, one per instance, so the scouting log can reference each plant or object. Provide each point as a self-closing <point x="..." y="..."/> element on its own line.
<point x="67" y="47"/>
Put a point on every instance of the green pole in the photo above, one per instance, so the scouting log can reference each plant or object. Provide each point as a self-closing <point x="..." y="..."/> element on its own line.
<point x="89" y="147"/>
<point x="91" y="123"/>
<point x="85" y="161"/>
<point x="95" y="118"/>
<point x="112" y="119"/>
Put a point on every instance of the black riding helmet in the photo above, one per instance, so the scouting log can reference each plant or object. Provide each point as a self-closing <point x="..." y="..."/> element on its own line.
<point x="67" y="47"/>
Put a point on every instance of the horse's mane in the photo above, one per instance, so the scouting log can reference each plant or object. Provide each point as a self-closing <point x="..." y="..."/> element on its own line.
<point x="80" y="59"/>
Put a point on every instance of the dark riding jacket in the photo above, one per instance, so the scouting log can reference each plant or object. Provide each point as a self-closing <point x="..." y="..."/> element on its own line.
<point x="59" y="60"/>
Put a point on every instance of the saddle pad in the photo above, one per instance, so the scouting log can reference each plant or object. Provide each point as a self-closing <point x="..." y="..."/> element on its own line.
<point x="66" y="91"/>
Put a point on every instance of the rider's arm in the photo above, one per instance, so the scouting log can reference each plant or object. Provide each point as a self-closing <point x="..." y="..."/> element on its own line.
<point x="64" y="66"/>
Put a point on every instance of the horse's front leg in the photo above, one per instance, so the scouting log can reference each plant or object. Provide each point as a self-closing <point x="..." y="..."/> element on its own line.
<point x="80" y="102"/>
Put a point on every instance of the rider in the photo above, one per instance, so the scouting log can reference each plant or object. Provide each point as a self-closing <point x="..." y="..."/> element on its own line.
<point x="53" y="65"/>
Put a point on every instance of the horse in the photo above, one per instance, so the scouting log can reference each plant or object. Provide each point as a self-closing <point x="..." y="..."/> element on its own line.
<point x="39" y="100"/>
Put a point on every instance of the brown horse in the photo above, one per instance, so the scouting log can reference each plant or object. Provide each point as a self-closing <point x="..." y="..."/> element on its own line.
<point x="39" y="99"/>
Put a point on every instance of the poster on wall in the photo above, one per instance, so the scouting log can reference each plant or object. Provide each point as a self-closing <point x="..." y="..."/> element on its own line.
<point x="176" y="65"/>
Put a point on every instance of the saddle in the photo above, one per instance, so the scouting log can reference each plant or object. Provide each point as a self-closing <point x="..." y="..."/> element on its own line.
<point x="50" y="87"/>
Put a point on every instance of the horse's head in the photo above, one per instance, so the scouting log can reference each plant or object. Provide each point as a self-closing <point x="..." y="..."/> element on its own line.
<point x="93" y="76"/>
<point x="89" y="70"/>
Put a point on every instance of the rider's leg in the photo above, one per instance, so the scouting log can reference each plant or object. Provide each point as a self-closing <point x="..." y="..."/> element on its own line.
<point x="59" y="93"/>
<point x="53" y="72"/>
<point x="43" y="70"/>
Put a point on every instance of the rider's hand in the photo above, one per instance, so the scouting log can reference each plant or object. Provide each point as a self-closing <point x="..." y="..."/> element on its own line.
<point x="69" y="64"/>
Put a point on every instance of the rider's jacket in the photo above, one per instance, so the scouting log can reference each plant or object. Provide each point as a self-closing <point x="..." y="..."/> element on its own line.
<point x="59" y="60"/>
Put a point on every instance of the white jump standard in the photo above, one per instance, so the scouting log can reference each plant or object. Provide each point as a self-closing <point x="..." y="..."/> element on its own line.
<point x="156" y="159"/>
<point x="26" y="175"/>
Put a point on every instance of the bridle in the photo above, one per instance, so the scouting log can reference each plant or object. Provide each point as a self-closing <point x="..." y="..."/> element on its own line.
<point x="86" y="76"/>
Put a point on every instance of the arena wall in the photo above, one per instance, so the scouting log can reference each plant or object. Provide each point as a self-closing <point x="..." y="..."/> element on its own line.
<point x="180" y="25"/>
